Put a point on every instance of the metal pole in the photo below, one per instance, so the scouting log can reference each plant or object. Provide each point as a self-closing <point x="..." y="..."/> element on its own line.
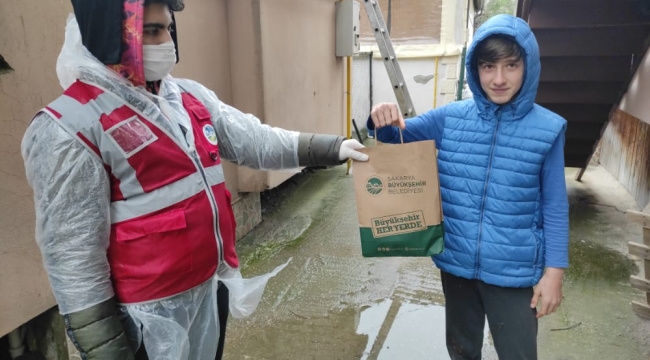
<point x="348" y="96"/>
<point x="356" y="129"/>
<point x="390" y="14"/>
<point x="435" y="83"/>
<point x="461" y="79"/>
<point x="370" y="61"/>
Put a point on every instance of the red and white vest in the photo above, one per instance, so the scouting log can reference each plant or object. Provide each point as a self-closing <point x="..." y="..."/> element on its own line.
<point x="171" y="216"/>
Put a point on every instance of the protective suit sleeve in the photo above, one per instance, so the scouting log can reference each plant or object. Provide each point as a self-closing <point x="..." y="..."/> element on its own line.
<point x="71" y="196"/>
<point x="244" y="140"/>
<point x="319" y="149"/>
<point x="97" y="333"/>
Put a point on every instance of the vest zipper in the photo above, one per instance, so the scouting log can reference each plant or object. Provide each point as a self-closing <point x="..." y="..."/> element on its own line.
<point x="485" y="189"/>
<point x="194" y="156"/>
<point x="213" y="204"/>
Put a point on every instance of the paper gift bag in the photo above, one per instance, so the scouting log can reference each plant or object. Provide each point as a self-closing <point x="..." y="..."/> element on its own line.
<point x="398" y="200"/>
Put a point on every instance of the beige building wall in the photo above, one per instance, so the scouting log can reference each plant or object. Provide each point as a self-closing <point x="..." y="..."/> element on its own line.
<point x="303" y="79"/>
<point x="204" y="53"/>
<point x="31" y="34"/>
<point x="286" y="71"/>
<point x="273" y="59"/>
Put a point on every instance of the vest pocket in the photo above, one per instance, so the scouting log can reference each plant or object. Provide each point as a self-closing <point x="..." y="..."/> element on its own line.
<point x="146" y="249"/>
<point x="165" y="222"/>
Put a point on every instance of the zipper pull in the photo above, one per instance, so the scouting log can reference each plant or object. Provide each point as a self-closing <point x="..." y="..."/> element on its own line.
<point x="193" y="153"/>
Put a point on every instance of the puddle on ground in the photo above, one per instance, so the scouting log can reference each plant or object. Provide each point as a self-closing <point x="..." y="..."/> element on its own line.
<point x="370" y="322"/>
<point x="288" y="334"/>
<point x="415" y="332"/>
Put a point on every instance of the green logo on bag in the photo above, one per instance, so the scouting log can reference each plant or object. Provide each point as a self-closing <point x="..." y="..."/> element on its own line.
<point x="374" y="186"/>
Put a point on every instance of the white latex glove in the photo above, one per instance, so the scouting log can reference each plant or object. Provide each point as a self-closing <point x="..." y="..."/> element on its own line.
<point x="349" y="151"/>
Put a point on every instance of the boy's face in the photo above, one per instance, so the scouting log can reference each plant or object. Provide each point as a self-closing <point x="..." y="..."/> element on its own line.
<point x="501" y="80"/>
<point x="157" y="24"/>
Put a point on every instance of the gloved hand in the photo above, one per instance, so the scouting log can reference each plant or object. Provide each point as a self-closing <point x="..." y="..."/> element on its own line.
<point x="349" y="149"/>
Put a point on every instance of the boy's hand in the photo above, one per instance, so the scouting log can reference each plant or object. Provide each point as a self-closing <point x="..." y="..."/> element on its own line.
<point x="387" y="114"/>
<point x="550" y="290"/>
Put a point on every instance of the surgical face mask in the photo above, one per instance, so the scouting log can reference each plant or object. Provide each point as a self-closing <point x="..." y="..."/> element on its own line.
<point x="159" y="60"/>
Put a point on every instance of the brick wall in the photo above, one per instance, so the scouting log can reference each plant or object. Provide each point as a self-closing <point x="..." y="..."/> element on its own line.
<point x="411" y="20"/>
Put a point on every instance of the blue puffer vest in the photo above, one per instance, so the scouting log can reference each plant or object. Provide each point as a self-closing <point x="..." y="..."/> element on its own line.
<point x="490" y="159"/>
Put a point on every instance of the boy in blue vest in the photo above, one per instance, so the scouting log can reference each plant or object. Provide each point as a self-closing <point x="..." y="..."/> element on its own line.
<point x="505" y="206"/>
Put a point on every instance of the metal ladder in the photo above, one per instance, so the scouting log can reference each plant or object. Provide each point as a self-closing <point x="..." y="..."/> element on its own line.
<point x="390" y="60"/>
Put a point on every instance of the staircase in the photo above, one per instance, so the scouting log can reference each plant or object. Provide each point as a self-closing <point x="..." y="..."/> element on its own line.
<point x="590" y="49"/>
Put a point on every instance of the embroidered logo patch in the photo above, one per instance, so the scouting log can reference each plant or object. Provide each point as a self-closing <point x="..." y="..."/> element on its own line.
<point x="131" y="136"/>
<point x="210" y="134"/>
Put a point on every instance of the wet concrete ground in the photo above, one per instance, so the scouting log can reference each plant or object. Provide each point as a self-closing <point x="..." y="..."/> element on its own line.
<point x="331" y="303"/>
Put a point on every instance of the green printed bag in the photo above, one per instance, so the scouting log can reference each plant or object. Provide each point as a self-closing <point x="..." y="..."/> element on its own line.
<point x="398" y="200"/>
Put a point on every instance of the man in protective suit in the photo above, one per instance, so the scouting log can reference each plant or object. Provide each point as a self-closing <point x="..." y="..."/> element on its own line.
<point x="134" y="221"/>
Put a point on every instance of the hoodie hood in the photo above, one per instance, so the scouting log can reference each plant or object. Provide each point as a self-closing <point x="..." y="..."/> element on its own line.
<point x="519" y="30"/>
<point x="111" y="30"/>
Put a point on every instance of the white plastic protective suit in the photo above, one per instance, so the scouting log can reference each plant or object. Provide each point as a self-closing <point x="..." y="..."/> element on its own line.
<point x="72" y="196"/>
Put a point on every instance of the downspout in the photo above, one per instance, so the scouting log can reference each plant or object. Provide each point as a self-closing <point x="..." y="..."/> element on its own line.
<point x="348" y="103"/>
<point x="348" y="100"/>
<point x="370" y="86"/>
<point x="390" y="15"/>
<point x="435" y="83"/>
<point x="461" y="78"/>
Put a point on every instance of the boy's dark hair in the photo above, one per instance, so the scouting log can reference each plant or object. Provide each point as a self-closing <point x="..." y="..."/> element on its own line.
<point x="174" y="5"/>
<point x="497" y="47"/>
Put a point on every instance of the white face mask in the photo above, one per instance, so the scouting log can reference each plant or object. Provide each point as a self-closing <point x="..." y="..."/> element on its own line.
<point x="159" y="60"/>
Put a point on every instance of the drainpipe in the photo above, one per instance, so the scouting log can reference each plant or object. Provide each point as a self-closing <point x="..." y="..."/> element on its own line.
<point x="390" y="15"/>
<point x="16" y="342"/>
<point x="461" y="78"/>
<point x="435" y="84"/>
<point x="348" y="98"/>
<point x="370" y="85"/>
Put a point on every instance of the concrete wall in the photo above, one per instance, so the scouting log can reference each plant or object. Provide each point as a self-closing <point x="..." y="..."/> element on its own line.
<point x="625" y="153"/>
<point x="292" y="79"/>
<point x="625" y="144"/>
<point x="204" y="50"/>
<point x="635" y="102"/>
<point x="31" y="34"/>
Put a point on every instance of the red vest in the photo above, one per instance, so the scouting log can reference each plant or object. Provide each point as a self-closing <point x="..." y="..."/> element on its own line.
<point x="171" y="216"/>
